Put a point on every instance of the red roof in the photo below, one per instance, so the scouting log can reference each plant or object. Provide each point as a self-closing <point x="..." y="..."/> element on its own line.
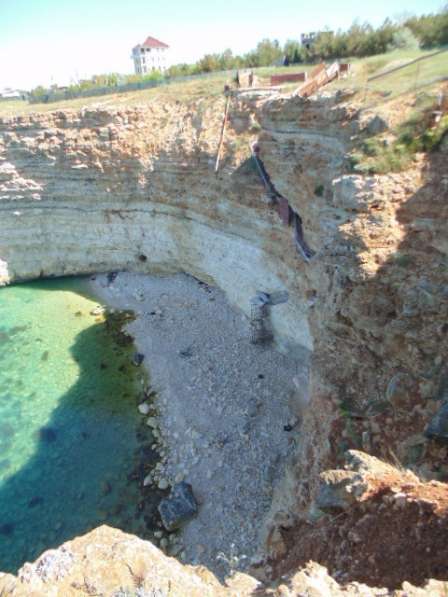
<point x="152" y="42"/>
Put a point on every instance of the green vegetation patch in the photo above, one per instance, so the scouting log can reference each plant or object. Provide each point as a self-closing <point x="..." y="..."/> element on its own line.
<point x="378" y="155"/>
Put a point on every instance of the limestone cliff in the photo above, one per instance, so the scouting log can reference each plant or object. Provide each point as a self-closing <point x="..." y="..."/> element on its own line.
<point x="135" y="189"/>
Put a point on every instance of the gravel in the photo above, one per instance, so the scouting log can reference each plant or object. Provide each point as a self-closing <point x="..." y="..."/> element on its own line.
<point x="226" y="408"/>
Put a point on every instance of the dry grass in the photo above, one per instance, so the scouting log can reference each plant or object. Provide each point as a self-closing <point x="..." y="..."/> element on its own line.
<point x="406" y="80"/>
<point x="379" y="91"/>
<point x="185" y="91"/>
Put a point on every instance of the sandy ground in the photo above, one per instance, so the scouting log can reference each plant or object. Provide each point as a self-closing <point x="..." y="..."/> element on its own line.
<point x="223" y="403"/>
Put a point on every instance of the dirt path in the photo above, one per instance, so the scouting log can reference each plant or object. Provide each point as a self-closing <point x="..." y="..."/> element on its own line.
<point x="225" y="408"/>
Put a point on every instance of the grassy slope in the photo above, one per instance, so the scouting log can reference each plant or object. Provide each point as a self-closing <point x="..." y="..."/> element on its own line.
<point x="387" y="87"/>
<point x="413" y="77"/>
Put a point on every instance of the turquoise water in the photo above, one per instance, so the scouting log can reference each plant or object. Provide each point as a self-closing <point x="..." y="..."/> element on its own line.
<point x="73" y="447"/>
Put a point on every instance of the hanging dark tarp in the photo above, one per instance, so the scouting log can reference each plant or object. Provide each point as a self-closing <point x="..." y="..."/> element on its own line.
<point x="284" y="210"/>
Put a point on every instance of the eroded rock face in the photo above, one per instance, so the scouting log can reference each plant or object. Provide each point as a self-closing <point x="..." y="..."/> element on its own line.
<point x="109" y="562"/>
<point x="135" y="189"/>
<point x="141" y="190"/>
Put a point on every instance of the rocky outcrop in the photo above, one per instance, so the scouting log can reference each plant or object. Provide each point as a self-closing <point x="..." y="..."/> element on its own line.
<point x="366" y="515"/>
<point x="135" y="189"/>
<point x="109" y="562"/>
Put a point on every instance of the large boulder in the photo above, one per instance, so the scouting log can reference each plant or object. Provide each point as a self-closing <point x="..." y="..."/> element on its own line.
<point x="179" y="507"/>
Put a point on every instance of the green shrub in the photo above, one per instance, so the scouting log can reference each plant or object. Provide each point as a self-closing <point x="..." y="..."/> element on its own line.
<point x="319" y="190"/>
<point x="403" y="39"/>
<point x="413" y="136"/>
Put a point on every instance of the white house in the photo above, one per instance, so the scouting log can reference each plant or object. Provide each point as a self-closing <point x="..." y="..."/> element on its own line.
<point x="8" y="93"/>
<point x="149" y="56"/>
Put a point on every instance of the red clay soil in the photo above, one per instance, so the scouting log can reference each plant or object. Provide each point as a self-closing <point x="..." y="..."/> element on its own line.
<point x="399" y="533"/>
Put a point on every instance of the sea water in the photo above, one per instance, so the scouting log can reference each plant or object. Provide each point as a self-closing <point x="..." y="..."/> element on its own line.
<point x="71" y="436"/>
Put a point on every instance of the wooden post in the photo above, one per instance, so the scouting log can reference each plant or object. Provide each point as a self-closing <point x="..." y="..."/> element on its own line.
<point x="221" y="141"/>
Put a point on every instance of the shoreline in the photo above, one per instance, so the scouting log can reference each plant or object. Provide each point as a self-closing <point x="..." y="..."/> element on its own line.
<point x="224" y="409"/>
<point x="68" y="398"/>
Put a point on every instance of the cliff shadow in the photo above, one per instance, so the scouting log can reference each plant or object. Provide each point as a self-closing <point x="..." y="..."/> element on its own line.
<point x="393" y="340"/>
<point x="89" y="461"/>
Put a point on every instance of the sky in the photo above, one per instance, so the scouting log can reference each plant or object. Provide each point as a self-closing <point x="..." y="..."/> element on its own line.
<point x="60" y="41"/>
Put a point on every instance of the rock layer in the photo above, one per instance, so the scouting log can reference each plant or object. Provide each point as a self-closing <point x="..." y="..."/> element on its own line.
<point x="135" y="189"/>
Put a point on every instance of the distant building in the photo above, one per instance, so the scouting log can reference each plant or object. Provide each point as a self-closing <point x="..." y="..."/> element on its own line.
<point x="8" y="93"/>
<point x="149" y="56"/>
<point x="308" y="39"/>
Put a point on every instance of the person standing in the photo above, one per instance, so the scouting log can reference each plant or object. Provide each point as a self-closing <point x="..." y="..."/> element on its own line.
<point x="237" y="79"/>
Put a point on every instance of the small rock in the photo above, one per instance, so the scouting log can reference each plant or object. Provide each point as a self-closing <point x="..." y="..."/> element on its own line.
<point x="438" y="426"/>
<point x="163" y="484"/>
<point x="400" y="500"/>
<point x="377" y="125"/>
<point x="186" y="353"/>
<point x="147" y="480"/>
<point x="175" y="550"/>
<point x="111" y="277"/>
<point x="335" y="490"/>
<point x="399" y="390"/>
<point x="144" y="408"/>
<point x="152" y="422"/>
<point x="138" y="359"/>
<point x="366" y="441"/>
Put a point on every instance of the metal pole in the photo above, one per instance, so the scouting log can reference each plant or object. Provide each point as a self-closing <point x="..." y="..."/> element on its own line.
<point x="221" y="141"/>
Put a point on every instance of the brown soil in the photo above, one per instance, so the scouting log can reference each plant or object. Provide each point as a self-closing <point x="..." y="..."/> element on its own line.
<point x="397" y="533"/>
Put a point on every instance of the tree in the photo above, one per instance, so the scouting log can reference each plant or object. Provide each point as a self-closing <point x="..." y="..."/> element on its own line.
<point x="226" y="60"/>
<point x="431" y="30"/>
<point x="266" y="53"/>
<point x="208" y="64"/>
<point x="292" y="51"/>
